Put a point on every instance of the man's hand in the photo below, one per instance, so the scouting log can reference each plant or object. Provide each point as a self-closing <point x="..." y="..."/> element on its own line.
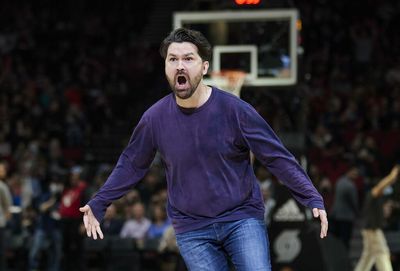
<point x="324" y="221"/>
<point x="92" y="226"/>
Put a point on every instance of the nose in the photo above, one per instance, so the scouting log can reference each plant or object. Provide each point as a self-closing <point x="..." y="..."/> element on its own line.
<point x="180" y="66"/>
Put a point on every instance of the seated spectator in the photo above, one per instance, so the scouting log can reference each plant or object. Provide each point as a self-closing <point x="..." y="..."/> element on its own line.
<point x="168" y="241"/>
<point x="138" y="225"/>
<point x="170" y="251"/>
<point x="159" y="222"/>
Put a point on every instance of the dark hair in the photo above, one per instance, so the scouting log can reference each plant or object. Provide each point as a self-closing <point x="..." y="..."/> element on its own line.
<point x="187" y="35"/>
<point x="4" y="162"/>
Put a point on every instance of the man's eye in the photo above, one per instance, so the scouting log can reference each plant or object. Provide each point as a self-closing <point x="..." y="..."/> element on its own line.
<point x="189" y="58"/>
<point x="173" y="59"/>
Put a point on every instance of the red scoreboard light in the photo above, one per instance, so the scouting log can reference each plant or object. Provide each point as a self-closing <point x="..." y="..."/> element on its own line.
<point x="247" y="2"/>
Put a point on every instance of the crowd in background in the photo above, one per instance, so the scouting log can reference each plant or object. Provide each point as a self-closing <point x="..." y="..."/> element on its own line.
<point x="69" y="72"/>
<point x="352" y="84"/>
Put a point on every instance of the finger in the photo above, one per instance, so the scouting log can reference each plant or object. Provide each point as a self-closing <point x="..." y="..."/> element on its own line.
<point x="84" y="209"/>
<point x="94" y="233"/>
<point x="86" y="223"/>
<point x="324" y="224"/>
<point x="88" y="230"/>
<point x="98" y="229"/>
<point x="315" y="212"/>
<point x="324" y="230"/>
<point x="93" y="224"/>
<point x="85" y="220"/>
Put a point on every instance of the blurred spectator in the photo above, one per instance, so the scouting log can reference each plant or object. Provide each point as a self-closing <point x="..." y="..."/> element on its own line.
<point x="56" y="163"/>
<point x="14" y="184"/>
<point x="138" y="225"/>
<point x="72" y="198"/>
<point x="48" y="235"/>
<point x="393" y="75"/>
<point x="265" y="179"/>
<point x="170" y="251"/>
<point x="159" y="222"/>
<point x="132" y="197"/>
<point x="126" y="203"/>
<point x="364" y="35"/>
<point x="269" y="201"/>
<point x="375" y="249"/>
<point x="100" y="177"/>
<point x="321" y="137"/>
<point x="75" y="124"/>
<point x="345" y="206"/>
<point x="168" y="241"/>
<point x="30" y="175"/>
<point x="112" y="223"/>
<point x="368" y="157"/>
<point x="5" y="146"/>
<point x="5" y="204"/>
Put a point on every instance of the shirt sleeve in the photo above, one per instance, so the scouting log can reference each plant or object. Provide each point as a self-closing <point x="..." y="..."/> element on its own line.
<point x="269" y="150"/>
<point x="131" y="167"/>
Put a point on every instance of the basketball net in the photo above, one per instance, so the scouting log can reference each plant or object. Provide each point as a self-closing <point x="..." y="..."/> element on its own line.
<point x="229" y="80"/>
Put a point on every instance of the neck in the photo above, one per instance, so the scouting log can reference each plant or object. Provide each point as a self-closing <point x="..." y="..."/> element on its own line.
<point x="199" y="97"/>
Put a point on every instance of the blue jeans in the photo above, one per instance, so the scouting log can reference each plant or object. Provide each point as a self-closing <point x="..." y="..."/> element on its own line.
<point x="245" y="242"/>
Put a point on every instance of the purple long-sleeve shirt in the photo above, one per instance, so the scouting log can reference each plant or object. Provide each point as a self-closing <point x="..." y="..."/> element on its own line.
<point x="205" y="152"/>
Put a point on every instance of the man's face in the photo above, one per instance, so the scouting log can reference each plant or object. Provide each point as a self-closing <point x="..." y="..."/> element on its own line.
<point x="354" y="173"/>
<point x="75" y="178"/>
<point x="138" y="211"/>
<point x="184" y="68"/>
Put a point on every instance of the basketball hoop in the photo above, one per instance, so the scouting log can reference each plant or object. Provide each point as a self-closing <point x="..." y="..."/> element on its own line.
<point x="229" y="80"/>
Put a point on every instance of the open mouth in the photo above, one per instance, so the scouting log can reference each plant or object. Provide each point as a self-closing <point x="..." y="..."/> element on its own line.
<point x="181" y="80"/>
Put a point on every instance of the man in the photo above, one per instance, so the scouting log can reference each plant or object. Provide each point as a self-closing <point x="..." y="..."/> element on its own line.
<point x="5" y="204"/>
<point x="375" y="249"/>
<point x="204" y="136"/>
<point x="345" y="206"/>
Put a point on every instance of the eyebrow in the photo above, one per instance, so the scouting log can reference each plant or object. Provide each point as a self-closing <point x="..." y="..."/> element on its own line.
<point x="185" y="55"/>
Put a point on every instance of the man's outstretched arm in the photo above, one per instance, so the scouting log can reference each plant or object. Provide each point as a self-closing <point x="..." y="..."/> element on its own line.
<point x="269" y="150"/>
<point x="131" y="167"/>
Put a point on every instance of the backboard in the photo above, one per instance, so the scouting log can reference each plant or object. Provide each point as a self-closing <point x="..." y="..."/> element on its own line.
<point x="262" y="43"/>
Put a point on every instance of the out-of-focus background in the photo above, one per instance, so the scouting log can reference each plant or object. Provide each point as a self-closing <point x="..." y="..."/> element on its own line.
<point x="75" y="77"/>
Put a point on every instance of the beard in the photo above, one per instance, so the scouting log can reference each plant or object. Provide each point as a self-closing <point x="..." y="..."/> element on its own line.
<point x="189" y="90"/>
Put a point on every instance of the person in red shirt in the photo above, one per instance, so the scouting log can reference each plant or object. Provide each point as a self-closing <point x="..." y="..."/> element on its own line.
<point x="71" y="199"/>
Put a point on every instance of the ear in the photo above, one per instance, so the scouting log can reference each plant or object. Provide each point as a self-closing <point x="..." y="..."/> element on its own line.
<point x="206" y="65"/>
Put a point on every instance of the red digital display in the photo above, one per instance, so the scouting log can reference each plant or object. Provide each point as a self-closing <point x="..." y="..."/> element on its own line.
<point x="247" y="2"/>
